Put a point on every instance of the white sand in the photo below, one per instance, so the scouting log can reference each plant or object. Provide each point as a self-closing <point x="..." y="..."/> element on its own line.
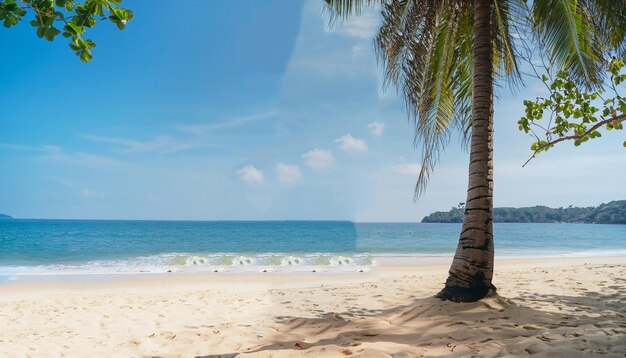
<point x="565" y="307"/>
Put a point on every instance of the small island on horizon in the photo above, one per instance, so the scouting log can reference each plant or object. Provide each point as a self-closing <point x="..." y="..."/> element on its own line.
<point x="5" y="217"/>
<point x="613" y="212"/>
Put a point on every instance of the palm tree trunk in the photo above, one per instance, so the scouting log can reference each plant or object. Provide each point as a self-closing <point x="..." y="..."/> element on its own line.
<point x="472" y="268"/>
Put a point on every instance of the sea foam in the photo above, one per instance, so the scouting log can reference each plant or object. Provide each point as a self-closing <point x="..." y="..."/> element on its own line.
<point x="184" y="262"/>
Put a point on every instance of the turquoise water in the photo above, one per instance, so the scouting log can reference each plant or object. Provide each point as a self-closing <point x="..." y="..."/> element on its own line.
<point x="62" y="246"/>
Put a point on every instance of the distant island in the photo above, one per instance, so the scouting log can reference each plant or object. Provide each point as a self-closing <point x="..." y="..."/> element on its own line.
<point x="610" y="213"/>
<point x="3" y="216"/>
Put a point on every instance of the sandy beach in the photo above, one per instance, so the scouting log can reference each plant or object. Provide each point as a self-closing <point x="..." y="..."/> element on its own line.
<point x="557" y="307"/>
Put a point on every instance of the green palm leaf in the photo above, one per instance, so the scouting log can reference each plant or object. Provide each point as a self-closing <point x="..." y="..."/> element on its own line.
<point x="566" y="30"/>
<point x="608" y="18"/>
<point x="347" y="8"/>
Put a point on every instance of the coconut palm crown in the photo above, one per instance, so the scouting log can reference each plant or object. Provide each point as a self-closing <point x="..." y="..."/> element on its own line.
<point x="443" y="57"/>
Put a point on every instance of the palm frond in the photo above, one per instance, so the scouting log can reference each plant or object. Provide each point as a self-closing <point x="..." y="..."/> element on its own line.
<point x="436" y="110"/>
<point x="566" y="30"/>
<point x="508" y="19"/>
<point x="608" y="19"/>
<point x="463" y="79"/>
<point x="345" y="8"/>
<point x="425" y="47"/>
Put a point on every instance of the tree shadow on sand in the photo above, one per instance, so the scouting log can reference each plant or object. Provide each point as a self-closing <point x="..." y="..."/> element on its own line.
<point x="593" y="323"/>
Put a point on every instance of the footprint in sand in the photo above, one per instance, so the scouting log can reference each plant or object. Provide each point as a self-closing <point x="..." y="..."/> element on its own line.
<point x="167" y="335"/>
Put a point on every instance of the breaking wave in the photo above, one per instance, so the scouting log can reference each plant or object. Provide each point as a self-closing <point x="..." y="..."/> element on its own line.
<point x="186" y="262"/>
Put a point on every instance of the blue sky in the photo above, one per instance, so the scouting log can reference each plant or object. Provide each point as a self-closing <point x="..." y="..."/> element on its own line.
<point x="246" y="111"/>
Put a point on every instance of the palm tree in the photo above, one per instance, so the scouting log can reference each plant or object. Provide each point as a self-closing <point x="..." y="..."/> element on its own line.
<point x="443" y="56"/>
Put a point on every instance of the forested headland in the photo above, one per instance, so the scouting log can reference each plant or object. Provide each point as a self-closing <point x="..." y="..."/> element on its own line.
<point x="613" y="212"/>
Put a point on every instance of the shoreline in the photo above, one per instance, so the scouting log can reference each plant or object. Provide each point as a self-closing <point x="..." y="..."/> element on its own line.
<point x="384" y="265"/>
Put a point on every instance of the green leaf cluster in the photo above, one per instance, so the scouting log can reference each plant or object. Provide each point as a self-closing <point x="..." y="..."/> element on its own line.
<point x="572" y="112"/>
<point x="70" y="18"/>
<point x="10" y="13"/>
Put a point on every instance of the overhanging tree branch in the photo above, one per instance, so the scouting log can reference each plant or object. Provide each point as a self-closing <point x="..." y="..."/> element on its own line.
<point x="612" y="121"/>
<point x="70" y="18"/>
<point x="575" y="113"/>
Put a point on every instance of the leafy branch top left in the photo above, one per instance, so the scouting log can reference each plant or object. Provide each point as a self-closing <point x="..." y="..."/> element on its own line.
<point x="67" y="17"/>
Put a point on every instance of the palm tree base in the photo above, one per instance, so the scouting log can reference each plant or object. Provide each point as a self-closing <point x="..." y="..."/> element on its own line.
<point x="465" y="294"/>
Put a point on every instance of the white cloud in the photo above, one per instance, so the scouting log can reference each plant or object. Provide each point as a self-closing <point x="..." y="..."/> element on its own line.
<point x="350" y="144"/>
<point x="65" y="182"/>
<point x="359" y="50"/>
<point x="57" y="154"/>
<point x="152" y="199"/>
<point x="19" y="147"/>
<point x="174" y="143"/>
<point x="361" y="27"/>
<point x="202" y="128"/>
<point x="343" y="50"/>
<point x="407" y="169"/>
<point x="250" y="174"/>
<point x="319" y="158"/>
<point x="82" y="191"/>
<point x="160" y="144"/>
<point x="87" y="193"/>
<point x="377" y="128"/>
<point x="288" y="174"/>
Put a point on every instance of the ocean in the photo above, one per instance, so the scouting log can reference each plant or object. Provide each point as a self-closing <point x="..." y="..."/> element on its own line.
<point x="39" y="247"/>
